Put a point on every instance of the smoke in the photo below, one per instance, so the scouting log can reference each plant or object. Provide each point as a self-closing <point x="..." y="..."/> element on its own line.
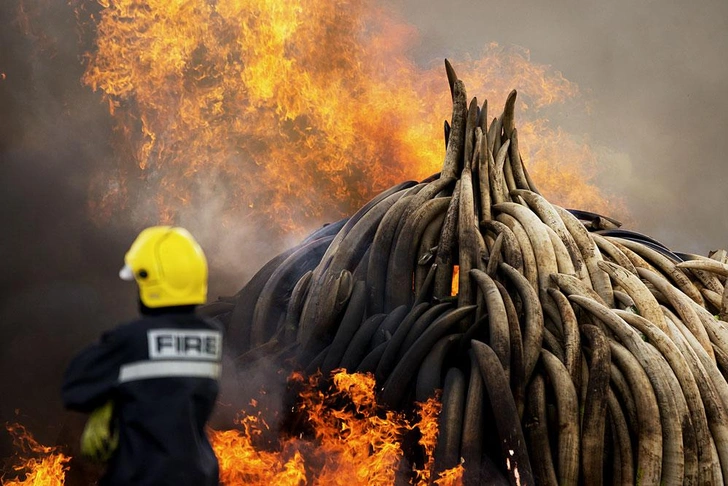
<point x="654" y="74"/>
<point x="55" y="293"/>
<point x="236" y="246"/>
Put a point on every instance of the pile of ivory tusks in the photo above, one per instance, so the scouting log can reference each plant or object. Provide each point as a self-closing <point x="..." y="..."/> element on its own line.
<point x="573" y="351"/>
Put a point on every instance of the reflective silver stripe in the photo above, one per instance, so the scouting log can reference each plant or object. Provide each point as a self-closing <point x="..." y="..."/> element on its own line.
<point x="142" y="370"/>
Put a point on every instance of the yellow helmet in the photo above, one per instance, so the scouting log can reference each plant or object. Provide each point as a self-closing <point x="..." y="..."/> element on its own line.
<point x="169" y="267"/>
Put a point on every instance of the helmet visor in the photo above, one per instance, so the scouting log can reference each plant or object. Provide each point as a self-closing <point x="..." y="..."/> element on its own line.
<point x="126" y="273"/>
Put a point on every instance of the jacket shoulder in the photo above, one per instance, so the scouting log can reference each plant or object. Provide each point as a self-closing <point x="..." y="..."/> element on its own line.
<point x="130" y="327"/>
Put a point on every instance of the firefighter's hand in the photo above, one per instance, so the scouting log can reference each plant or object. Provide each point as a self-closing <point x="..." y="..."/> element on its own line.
<point x="99" y="441"/>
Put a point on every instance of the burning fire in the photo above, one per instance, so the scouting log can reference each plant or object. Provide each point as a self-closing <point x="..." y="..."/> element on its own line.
<point x="350" y="441"/>
<point x="290" y="113"/>
<point x="38" y="465"/>
<point x="455" y="287"/>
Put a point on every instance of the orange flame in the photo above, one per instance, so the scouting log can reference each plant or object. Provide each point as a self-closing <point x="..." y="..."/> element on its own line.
<point x="451" y="477"/>
<point x="298" y="111"/>
<point x="352" y="441"/>
<point x="40" y="465"/>
<point x="428" y="413"/>
<point x="455" y="286"/>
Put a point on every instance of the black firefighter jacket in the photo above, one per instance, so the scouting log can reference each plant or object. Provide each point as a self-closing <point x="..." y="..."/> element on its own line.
<point x="162" y="372"/>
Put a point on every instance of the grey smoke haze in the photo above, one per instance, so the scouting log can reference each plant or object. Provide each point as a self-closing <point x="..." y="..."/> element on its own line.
<point x="55" y="294"/>
<point x="655" y="74"/>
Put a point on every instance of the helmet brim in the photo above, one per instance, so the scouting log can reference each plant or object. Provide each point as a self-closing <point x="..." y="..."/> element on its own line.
<point x="126" y="273"/>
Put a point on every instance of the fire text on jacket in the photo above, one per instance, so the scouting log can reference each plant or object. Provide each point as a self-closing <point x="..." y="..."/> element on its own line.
<point x="185" y="344"/>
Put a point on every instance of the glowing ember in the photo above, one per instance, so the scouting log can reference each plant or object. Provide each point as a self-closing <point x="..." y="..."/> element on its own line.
<point x="298" y="111"/>
<point x="350" y="441"/>
<point x="35" y="464"/>
<point x="455" y="280"/>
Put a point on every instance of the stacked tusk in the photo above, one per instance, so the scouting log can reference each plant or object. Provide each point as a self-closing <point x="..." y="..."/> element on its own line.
<point x="572" y="352"/>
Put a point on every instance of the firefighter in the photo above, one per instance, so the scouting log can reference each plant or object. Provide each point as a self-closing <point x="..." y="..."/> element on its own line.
<point x="150" y="384"/>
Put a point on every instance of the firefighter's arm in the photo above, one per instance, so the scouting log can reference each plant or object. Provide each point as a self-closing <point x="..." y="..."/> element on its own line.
<point x="92" y="375"/>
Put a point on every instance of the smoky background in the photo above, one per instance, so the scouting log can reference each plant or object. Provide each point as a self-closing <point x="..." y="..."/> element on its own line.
<point x="653" y="74"/>
<point x="56" y="294"/>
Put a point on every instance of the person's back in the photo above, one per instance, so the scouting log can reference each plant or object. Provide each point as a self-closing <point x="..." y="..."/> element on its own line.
<point x="161" y="374"/>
